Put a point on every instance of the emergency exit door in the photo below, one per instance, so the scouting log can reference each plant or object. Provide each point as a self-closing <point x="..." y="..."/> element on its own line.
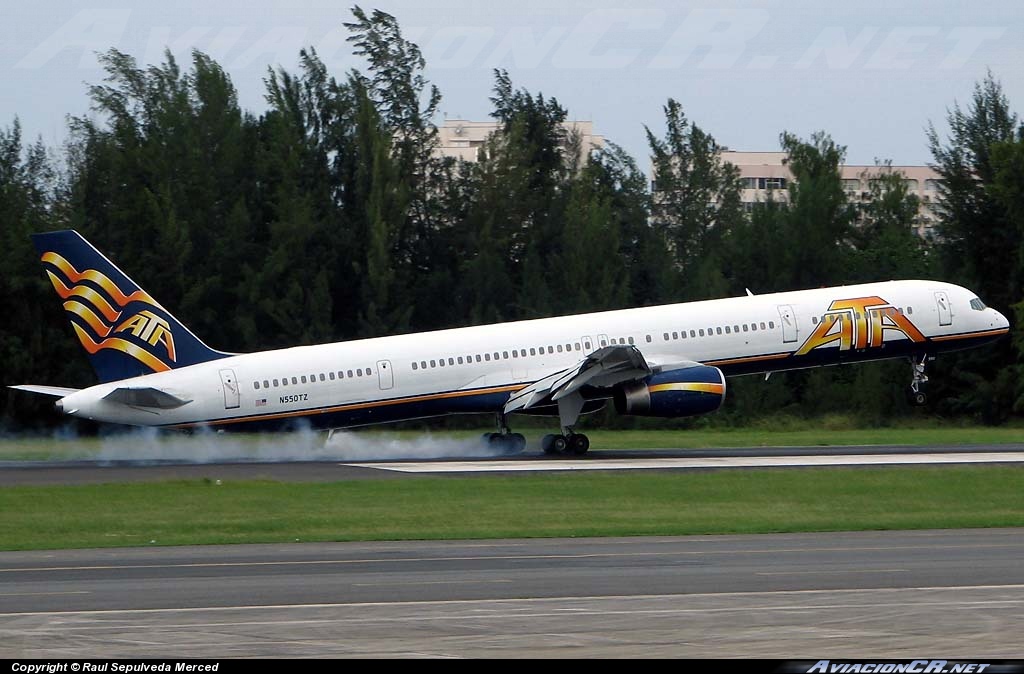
<point x="788" y="320"/>
<point x="385" y="375"/>
<point x="230" y="386"/>
<point x="945" y="311"/>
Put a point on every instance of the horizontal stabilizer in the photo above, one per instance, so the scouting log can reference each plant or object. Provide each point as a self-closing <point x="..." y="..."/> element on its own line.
<point x="56" y="391"/>
<point x="145" y="397"/>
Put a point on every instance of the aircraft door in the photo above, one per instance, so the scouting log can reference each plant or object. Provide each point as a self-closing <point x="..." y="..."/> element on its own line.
<point x="230" y="385"/>
<point x="788" y="319"/>
<point x="945" y="310"/>
<point x="602" y="340"/>
<point x="385" y="375"/>
<point x="589" y="346"/>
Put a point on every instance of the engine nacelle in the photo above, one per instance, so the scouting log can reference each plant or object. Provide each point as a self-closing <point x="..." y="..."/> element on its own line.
<point x="685" y="392"/>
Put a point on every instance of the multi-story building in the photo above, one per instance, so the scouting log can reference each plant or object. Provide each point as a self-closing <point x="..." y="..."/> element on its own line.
<point x="462" y="139"/>
<point x="765" y="172"/>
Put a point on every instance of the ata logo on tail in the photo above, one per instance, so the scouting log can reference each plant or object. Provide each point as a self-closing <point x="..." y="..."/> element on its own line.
<point x="859" y="323"/>
<point x="102" y="311"/>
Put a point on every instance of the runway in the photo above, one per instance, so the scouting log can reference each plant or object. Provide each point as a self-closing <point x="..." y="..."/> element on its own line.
<point x="97" y="472"/>
<point x="898" y="594"/>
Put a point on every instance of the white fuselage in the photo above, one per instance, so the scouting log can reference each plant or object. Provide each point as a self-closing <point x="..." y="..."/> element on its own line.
<point x="475" y="369"/>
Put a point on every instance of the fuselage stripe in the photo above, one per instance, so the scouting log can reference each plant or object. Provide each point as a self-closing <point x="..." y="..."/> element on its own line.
<point x="351" y="407"/>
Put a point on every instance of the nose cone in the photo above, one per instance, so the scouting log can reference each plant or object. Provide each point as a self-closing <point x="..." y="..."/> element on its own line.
<point x="999" y="321"/>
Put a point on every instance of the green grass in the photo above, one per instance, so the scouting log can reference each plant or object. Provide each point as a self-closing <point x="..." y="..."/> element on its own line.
<point x="824" y="432"/>
<point x="198" y="512"/>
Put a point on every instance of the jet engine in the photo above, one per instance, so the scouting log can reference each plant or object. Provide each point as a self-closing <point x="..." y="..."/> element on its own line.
<point x="683" y="392"/>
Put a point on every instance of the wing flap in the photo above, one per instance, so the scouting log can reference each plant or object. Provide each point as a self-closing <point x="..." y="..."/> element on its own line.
<point x="605" y="367"/>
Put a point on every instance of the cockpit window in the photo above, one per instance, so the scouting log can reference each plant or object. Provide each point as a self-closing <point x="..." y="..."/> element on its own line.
<point x="977" y="304"/>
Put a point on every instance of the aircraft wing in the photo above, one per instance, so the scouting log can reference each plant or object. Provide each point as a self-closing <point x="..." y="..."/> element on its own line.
<point x="603" y="368"/>
<point x="56" y="391"/>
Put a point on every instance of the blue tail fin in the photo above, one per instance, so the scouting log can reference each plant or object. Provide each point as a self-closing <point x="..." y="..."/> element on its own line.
<point x="125" y="331"/>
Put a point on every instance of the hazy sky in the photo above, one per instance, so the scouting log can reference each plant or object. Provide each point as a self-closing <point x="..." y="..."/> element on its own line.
<point x="870" y="74"/>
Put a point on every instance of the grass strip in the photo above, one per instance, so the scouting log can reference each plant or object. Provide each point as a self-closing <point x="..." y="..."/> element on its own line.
<point x="575" y="504"/>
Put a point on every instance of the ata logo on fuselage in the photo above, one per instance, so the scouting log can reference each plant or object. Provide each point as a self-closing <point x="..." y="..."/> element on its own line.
<point x="859" y="323"/>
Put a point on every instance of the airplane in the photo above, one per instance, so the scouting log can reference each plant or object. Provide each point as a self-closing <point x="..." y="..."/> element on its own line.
<point x="660" y="361"/>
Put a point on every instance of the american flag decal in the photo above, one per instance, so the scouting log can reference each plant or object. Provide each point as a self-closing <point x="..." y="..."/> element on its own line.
<point x="261" y="402"/>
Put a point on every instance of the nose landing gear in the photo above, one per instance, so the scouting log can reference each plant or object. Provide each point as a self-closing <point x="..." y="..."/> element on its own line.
<point x="915" y="394"/>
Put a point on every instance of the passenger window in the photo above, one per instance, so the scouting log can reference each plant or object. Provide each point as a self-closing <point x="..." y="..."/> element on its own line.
<point x="323" y="377"/>
<point x="423" y="365"/>
<point x="745" y="327"/>
<point x="577" y="346"/>
<point x="771" y="324"/>
<point x="648" y="341"/>
<point x="559" y="348"/>
<point x="414" y="366"/>
<point x="604" y="343"/>
<point x="359" y="372"/>
<point x="460" y="360"/>
<point x="753" y="327"/>
<point x="551" y="349"/>
<point x="718" y="330"/>
<point x="256" y="385"/>
<point x="496" y="356"/>
<point x="451" y="361"/>
<point x="910" y="310"/>
<point x="682" y="333"/>
<point x="350" y="373"/>
<point x="332" y="373"/>
<point x="295" y="381"/>
<point x="478" y="357"/>
<point x="487" y="357"/>
<point x="284" y="382"/>
<point x="762" y="325"/>
<point x="515" y="353"/>
<point x="727" y="330"/>
<point x="303" y="379"/>
<point x="275" y="383"/>
<point x="666" y="336"/>
<point x="266" y="384"/>
<point x="702" y="332"/>
<point x="631" y="341"/>
<point x="533" y="351"/>
<point x="735" y="328"/>
<point x="441" y="362"/>
<point x="675" y="335"/>
<point x="504" y="354"/>
<point x="814" y="319"/>
<point x="693" y="333"/>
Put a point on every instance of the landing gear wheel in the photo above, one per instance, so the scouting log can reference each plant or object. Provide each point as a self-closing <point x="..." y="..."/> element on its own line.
<point x="917" y="398"/>
<point x="553" y="444"/>
<point x="578" y="444"/>
<point x="506" y="443"/>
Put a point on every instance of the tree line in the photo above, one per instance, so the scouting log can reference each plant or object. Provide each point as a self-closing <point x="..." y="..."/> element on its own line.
<point x="330" y="216"/>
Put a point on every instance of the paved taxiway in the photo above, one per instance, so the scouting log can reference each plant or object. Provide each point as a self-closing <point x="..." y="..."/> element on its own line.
<point x="898" y="594"/>
<point x="93" y="472"/>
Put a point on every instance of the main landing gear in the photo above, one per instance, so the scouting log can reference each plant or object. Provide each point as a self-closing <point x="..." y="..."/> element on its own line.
<point x="505" y="441"/>
<point x="569" y="442"/>
<point x="915" y="395"/>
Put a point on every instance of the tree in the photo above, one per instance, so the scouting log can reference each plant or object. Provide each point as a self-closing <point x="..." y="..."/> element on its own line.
<point x="695" y="202"/>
